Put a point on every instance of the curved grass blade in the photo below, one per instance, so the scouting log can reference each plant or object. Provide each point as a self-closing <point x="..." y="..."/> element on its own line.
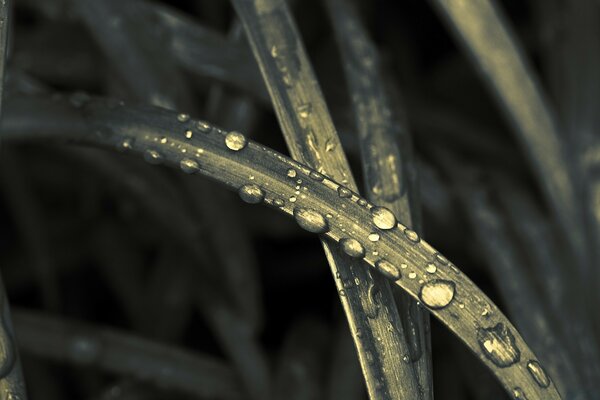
<point x="261" y="175"/>
<point x="123" y="354"/>
<point x="388" y="168"/>
<point x="481" y="27"/>
<point x="311" y="138"/>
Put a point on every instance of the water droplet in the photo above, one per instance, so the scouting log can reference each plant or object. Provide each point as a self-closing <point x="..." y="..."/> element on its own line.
<point x="183" y="117"/>
<point x="374" y="236"/>
<point x="163" y="140"/>
<point x="412" y="235"/>
<point x="304" y="110"/>
<point x="352" y="247"/>
<point x="252" y="194"/>
<point x="189" y="166"/>
<point x="291" y="173"/>
<point x="518" y="393"/>
<point x="126" y="144"/>
<point x="538" y="373"/>
<point x="412" y="275"/>
<point x="203" y="127"/>
<point x="432" y="269"/>
<point x="344" y="192"/>
<point x="441" y="259"/>
<point x="292" y="199"/>
<point x="316" y="176"/>
<point x="362" y="202"/>
<point x="330" y="145"/>
<point x="383" y="218"/>
<point x="498" y="345"/>
<point x="189" y="134"/>
<point x="311" y="220"/>
<point x="153" y="156"/>
<point x="388" y="269"/>
<point x="278" y="203"/>
<point x="235" y="141"/>
<point x="437" y="293"/>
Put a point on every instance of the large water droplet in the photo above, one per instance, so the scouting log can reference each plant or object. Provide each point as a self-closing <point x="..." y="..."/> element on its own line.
<point x="437" y="293"/>
<point x="498" y="345"/>
<point x="538" y="373"/>
<point x="189" y="166"/>
<point x="383" y="218"/>
<point x="388" y="269"/>
<point x="235" y="141"/>
<point x="252" y="194"/>
<point x="311" y="220"/>
<point x="352" y="247"/>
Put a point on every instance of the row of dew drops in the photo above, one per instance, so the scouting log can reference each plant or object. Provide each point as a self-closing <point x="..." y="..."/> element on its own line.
<point x="497" y="343"/>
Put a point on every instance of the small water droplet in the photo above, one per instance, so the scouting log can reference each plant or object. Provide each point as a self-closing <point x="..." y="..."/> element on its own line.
<point x="437" y="293"/>
<point x="412" y="235"/>
<point x="163" y="140"/>
<point x="203" y="126"/>
<point x="292" y="199"/>
<point x="383" y="218"/>
<point x="252" y="194"/>
<point x="278" y="202"/>
<point x="311" y="220"/>
<point x="329" y="146"/>
<point x="431" y="268"/>
<point x="189" y="134"/>
<point x="538" y="373"/>
<point x="126" y="144"/>
<point x="189" y="166"/>
<point x="518" y="393"/>
<point x="498" y="345"/>
<point x="291" y="173"/>
<point x="235" y="141"/>
<point x="374" y="236"/>
<point x="183" y="117"/>
<point x="369" y="356"/>
<point x="316" y="176"/>
<point x="342" y="292"/>
<point x="412" y="275"/>
<point x="304" y="110"/>
<point x="441" y="259"/>
<point x="344" y="192"/>
<point x="153" y="156"/>
<point x="352" y="247"/>
<point x="388" y="269"/>
<point x="362" y="202"/>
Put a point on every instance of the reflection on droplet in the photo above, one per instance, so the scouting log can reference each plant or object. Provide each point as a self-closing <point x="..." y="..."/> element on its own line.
<point x="311" y="220"/>
<point x="437" y="293"/>
<point x="152" y="156"/>
<point x="383" y="218"/>
<point x="235" y="141"/>
<point x="388" y="269"/>
<point x="252" y="194"/>
<point x="126" y="144"/>
<point x="498" y="345"/>
<point x="538" y="373"/>
<point x="183" y="117"/>
<point x="352" y="247"/>
<point x="189" y="166"/>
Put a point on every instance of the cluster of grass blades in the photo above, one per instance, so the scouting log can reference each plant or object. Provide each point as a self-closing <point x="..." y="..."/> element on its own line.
<point x="194" y="278"/>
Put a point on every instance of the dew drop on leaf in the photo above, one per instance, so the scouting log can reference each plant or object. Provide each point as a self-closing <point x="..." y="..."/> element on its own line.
<point x="352" y="247"/>
<point x="538" y="373"/>
<point x="383" y="218"/>
<point x="235" y="141"/>
<point x="498" y="345"/>
<point x="251" y="194"/>
<point x="183" y="117"/>
<point x="437" y="294"/>
<point x="431" y="268"/>
<point x="189" y="166"/>
<point x="153" y="156"/>
<point x="203" y="127"/>
<point x="412" y="235"/>
<point x="374" y="236"/>
<point x="388" y="269"/>
<point x="311" y="220"/>
<point x="344" y="192"/>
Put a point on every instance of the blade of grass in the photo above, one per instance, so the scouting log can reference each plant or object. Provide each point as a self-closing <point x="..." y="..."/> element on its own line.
<point x="260" y="175"/>
<point x="12" y="383"/>
<point x="311" y="138"/>
<point x="483" y="30"/>
<point x="123" y="354"/>
<point x="387" y="166"/>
